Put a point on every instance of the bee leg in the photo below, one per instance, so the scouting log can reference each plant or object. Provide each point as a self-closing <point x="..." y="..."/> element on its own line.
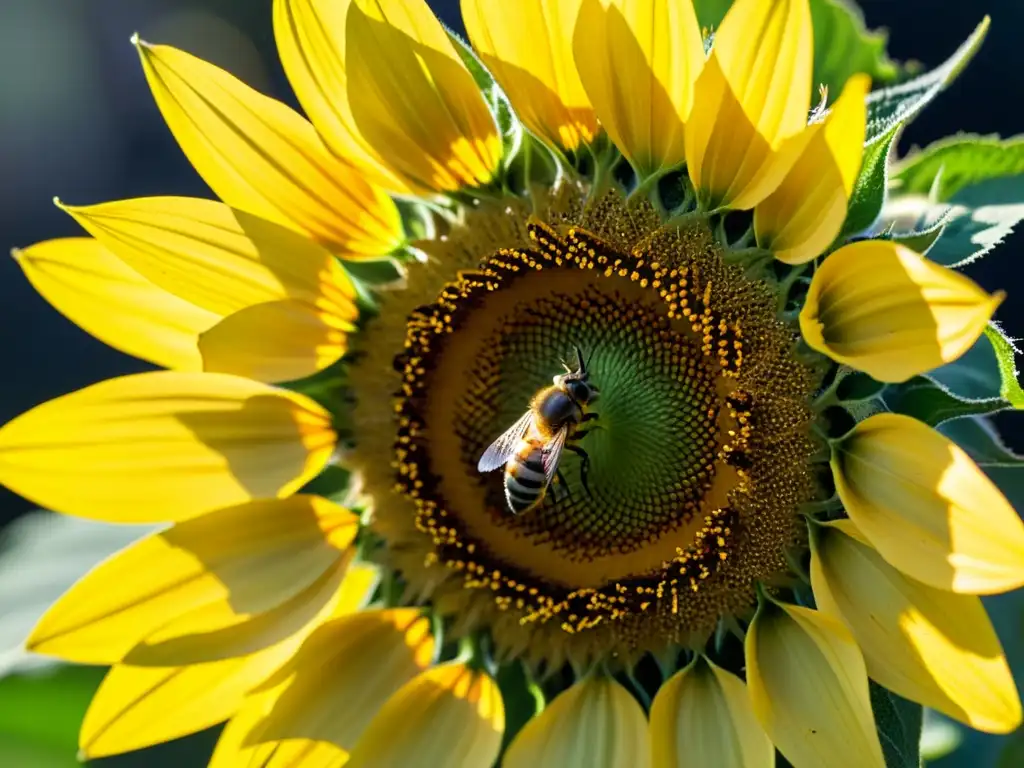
<point x="590" y="416"/>
<point x="567" y="494"/>
<point x="584" y="466"/>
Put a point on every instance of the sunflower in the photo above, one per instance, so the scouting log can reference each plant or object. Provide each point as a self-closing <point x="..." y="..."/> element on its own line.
<point x="734" y="543"/>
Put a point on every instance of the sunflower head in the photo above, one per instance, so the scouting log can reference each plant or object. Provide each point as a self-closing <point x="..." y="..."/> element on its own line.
<point x="573" y="365"/>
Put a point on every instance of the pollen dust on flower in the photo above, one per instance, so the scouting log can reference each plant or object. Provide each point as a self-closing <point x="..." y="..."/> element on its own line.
<point x="697" y="469"/>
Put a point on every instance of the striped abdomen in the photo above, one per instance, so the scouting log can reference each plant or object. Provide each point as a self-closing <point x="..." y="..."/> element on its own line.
<point x="525" y="483"/>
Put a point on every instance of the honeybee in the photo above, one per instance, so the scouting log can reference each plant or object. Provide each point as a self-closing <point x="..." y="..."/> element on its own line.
<point x="530" y="450"/>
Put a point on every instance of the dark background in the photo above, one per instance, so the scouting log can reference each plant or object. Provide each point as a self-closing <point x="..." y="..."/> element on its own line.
<point x="77" y="121"/>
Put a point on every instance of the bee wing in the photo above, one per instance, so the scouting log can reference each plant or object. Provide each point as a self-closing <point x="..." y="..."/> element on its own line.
<point x="552" y="454"/>
<point x="501" y="450"/>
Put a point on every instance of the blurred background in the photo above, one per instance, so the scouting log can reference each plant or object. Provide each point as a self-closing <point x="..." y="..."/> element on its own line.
<point x="77" y="121"/>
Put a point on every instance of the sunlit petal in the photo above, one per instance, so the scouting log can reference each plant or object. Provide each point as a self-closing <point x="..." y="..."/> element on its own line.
<point x="527" y="46"/>
<point x="164" y="446"/>
<point x="656" y="49"/>
<point x="927" y="508"/>
<point x="809" y="688"/>
<point x="887" y="311"/>
<point x="239" y="561"/>
<point x="594" y="724"/>
<point x="926" y="644"/>
<point x="105" y="297"/>
<point x="216" y="257"/>
<point x="260" y="156"/>
<point x="414" y="101"/>
<point x="448" y="715"/>
<point x="310" y="37"/>
<point x="702" y="716"/>
<point x="801" y="218"/>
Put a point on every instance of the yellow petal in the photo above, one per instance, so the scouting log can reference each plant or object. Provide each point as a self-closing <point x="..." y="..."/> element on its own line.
<point x="801" y="218"/>
<point x="809" y="688"/>
<point x="260" y="156"/>
<point x="766" y="51"/>
<point x="331" y="689"/>
<point x="139" y="706"/>
<point x="413" y="100"/>
<point x="656" y="49"/>
<point x="105" y="297"/>
<point x="527" y="46"/>
<point x="310" y="37"/>
<point x="164" y="446"/>
<point x="216" y="257"/>
<point x="702" y="716"/>
<point x="594" y="724"/>
<point x="730" y="164"/>
<point x="927" y="508"/>
<point x="242" y="560"/>
<point x="448" y="715"/>
<point x="928" y="645"/>
<point x="887" y="311"/>
<point x="276" y="341"/>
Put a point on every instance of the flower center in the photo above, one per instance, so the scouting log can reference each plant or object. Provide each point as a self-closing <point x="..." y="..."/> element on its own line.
<point x="679" y="490"/>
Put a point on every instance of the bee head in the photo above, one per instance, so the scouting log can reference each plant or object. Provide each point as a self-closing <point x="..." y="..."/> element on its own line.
<point x="576" y="381"/>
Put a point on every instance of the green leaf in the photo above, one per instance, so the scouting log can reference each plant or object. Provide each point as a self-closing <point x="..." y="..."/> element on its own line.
<point x="522" y="698"/>
<point x="922" y="237"/>
<point x="843" y="46"/>
<point x="899" y="725"/>
<point x="959" y="162"/>
<point x="897" y="105"/>
<point x="982" y="443"/>
<point x="869" y="189"/>
<point x="46" y="706"/>
<point x="940" y="736"/>
<point x="927" y="400"/>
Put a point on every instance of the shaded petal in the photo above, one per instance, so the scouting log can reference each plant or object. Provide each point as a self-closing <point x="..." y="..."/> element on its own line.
<point x="527" y="46"/>
<point x="164" y="446"/>
<point x="927" y="508"/>
<point x="260" y="156"/>
<point x="217" y="257"/>
<point x="323" y="699"/>
<point x="801" y="218"/>
<point x="766" y="51"/>
<point x="594" y="724"/>
<point x="702" y="716"/>
<point x="310" y="37"/>
<point x="926" y="644"/>
<point x="639" y="62"/>
<point x="105" y="297"/>
<point x="730" y="164"/>
<point x="277" y="341"/>
<point x="448" y="715"/>
<point x="887" y="311"/>
<point x="240" y="561"/>
<point x="809" y="688"/>
<point x="414" y="101"/>
<point x="139" y="706"/>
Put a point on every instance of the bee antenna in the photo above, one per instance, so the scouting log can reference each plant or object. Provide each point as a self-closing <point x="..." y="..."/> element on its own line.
<point x="579" y="359"/>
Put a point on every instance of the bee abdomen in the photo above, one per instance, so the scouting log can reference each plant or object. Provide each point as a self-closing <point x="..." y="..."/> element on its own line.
<point x="525" y="481"/>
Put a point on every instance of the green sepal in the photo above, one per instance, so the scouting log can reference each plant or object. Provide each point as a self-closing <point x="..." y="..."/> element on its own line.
<point x="869" y="189"/>
<point x="522" y="697"/>
<point x="899" y="723"/>
<point x="929" y="401"/>
<point x="987" y="370"/>
<point x="898" y="105"/>
<point x="334" y="483"/>
<point x="509" y="126"/>
<point x="889" y="109"/>
<point x="958" y="162"/>
<point x="329" y="388"/>
<point x="922" y="236"/>
<point x="857" y="386"/>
